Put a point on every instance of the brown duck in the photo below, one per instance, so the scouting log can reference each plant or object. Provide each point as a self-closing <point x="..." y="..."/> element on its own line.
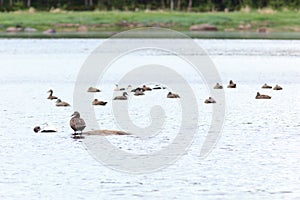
<point x="172" y="95"/>
<point x="231" y="84"/>
<point x="123" y="97"/>
<point x="92" y="89"/>
<point x="277" y="87"/>
<point x="146" y="88"/>
<point x="60" y="103"/>
<point x="265" y="86"/>
<point x="210" y="100"/>
<point x="96" y="102"/>
<point x="51" y="97"/>
<point x="262" y="96"/>
<point x="218" y="86"/>
<point x="77" y="123"/>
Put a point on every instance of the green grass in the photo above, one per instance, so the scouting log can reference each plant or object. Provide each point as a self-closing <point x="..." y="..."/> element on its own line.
<point x="288" y="21"/>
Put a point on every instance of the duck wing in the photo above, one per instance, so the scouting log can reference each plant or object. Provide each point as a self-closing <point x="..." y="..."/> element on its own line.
<point x="77" y="124"/>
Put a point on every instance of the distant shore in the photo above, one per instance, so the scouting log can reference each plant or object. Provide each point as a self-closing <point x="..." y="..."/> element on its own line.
<point x="262" y="24"/>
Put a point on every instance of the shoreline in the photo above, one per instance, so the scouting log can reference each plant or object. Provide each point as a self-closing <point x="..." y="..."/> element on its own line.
<point x="103" y="24"/>
<point x="193" y="35"/>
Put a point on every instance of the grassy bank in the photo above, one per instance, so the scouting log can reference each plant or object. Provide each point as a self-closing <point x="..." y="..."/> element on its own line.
<point x="99" y="24"/>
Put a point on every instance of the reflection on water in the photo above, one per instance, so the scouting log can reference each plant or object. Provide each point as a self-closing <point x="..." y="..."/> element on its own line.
<point x="257" y="155"/>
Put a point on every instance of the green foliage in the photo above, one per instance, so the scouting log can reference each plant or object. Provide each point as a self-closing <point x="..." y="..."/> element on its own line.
<point x="114" y="20"/>
<point x="133" y="5"/>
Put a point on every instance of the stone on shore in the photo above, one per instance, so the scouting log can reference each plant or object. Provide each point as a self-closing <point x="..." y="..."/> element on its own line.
<point x="49" y="31"/>
<point x="14" y="29"/>
<point x="203" y="27"/>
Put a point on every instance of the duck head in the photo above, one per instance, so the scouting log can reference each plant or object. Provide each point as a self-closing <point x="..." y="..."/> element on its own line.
<point x="75" y="114"/>
<point x="36" y="129"/>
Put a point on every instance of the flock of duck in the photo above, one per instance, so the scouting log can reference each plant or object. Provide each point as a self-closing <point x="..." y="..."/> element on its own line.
<point x="78" y="124"/>
<point x="233" y="85"/>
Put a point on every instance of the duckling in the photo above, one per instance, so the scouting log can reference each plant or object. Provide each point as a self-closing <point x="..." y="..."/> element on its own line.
<point x="77" y="124"/>
<point x="123" y="97"/>
<point x="277" y="87"/>
<point x="262" y="96"/>
<point x="210" y="100"/>
<point x="172" y="95"/>
<point x="265" y="86"/>
<point x="60" y="103"/>
<point x="231" y="84"/>
<point x="92" y="89"/>
<point x="51" y="97"/>
<point x="218" y="86"/>
<point x="97" y="102"/>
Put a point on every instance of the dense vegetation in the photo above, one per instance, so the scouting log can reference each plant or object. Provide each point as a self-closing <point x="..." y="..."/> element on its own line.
<point x="134" y="5"/>
<point x="285" y="21"/>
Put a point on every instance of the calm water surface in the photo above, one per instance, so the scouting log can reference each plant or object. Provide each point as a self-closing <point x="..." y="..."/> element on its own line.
<point x="256" y="157"/>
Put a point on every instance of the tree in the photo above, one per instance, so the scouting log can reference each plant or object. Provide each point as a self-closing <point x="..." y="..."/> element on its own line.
<point x="190" y="6"/>
<point x="178" y="4"/>
<point x="172" y="5"/>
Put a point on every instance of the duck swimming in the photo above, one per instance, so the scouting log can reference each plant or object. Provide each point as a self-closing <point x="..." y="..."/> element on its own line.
<point x="77" y="123"/>
<point x="138" y="89"/>
<point x="172" y="95"/>
<point x="231" y="84"/>
<point x="123" y="97"/>
<point x="218" y="86"/>
<point x="60" y="103"/>
<point x="146" y="88"/>
<point x="262" y="96"/>
<point x="92" y="89"/>
<point x="265" y="86"/>
<point x="139" y="92"/>
<point x="46" y="129"/>
<point x="210" y="100"/>
<point x="51" y="97"/>
<point x="277" y="87"/>
<point x="36" y="129"/>
<point x="118" y="89"/>
<point x="158" y="87"/>
<point x="96" y="102"/>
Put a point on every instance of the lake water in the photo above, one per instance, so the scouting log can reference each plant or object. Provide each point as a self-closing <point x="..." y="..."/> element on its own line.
<point x="256" y="157"/>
